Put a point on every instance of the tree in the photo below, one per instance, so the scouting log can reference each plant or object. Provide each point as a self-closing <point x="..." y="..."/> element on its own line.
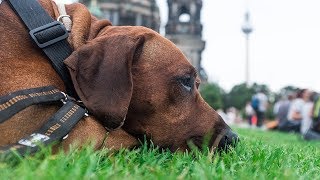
<point x="238" y="96"/>
<point x="288" y="90"/>
<point x="212" y="93"/>
<point x="261" y="88"/>
<point x="241" y="94"/>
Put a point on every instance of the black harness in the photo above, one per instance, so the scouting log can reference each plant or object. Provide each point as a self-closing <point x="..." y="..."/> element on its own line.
<point x="51" y="36"/>
<point x="57" y="127"/>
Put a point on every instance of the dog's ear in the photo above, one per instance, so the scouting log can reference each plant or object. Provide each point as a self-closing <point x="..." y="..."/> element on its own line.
<point x="101" y="73"/>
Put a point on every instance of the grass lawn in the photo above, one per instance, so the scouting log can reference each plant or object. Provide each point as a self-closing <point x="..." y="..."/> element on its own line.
<point x="260" y="155"/>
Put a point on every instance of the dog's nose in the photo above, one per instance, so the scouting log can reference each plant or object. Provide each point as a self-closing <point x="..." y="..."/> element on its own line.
<point x="230" y="139"/>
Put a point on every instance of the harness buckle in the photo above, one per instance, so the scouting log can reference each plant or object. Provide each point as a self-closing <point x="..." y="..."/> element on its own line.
<point x="66" y="98"/>
<point x="49" y="34"/>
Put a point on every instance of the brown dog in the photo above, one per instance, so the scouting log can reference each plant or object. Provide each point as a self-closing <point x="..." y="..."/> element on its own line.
<point x="128" y="77"/>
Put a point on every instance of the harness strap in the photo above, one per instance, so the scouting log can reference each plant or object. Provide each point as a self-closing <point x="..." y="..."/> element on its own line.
<point x="50" y="35"/>
<point x="19" y="100"/>
<point x="58" y="126"/>
<point x="64" y="17"/>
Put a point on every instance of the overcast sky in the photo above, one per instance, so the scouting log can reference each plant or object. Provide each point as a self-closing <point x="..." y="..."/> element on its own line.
<point x="284" y="46"/>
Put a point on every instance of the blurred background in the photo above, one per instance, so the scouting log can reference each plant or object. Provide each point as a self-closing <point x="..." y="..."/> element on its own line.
<point x="285" y="36"/>
<point x="240" y="48"/>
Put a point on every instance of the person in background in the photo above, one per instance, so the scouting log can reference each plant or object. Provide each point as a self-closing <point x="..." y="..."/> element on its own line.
<point x="249" y="112"/>
<point x="277" y="104"/>
<point x="259" y="103"/>
<point x="316" y="110"/>
<point x="307" y="114"/>
<point x="313" y="131"/>
<point x="299" y="114"/>
<point x="282" y="112"/>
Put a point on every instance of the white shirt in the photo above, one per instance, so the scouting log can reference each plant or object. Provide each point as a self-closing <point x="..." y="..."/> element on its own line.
<point x="296" y="106"/>
<point x="249" y="110"/>
<point x="263" y="101"/>
<point x="306" y="117"/>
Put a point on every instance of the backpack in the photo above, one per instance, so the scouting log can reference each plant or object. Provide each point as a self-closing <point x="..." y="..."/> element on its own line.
<point x="255" y="103"/>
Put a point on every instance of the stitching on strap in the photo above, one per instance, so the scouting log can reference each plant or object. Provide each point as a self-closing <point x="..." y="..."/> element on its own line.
<point x="18" y="98"/>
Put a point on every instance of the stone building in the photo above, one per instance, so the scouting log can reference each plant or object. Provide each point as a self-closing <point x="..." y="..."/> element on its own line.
<point x="185" y="30"/>
<point x="126" y="12"/>
<point x="183" y="26"/>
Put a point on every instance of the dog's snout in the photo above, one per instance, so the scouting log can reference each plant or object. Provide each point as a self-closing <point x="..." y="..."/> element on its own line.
<point x="230" y="139"/>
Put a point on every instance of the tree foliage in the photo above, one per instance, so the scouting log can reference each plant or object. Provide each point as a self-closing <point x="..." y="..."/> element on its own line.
<point x="261" y="87"/>
<point x="213" y="94"/>
<point x="238" y="96"/>
<point x="241" y="94"/>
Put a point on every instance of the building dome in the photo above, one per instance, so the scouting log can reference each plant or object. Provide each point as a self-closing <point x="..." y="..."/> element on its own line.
<point x="126" y="12"/>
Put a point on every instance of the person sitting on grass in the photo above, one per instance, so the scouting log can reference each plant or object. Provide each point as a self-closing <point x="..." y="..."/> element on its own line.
<point x="299" y="115"/>
<point x="313" y="132"/>
<point x="282" y="112"/>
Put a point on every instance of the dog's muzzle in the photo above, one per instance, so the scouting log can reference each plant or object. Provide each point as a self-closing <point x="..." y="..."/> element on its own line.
<point x="227" y="140"/>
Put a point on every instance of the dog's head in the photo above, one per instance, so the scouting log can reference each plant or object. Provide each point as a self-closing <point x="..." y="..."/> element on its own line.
<point x="131" y="77"/>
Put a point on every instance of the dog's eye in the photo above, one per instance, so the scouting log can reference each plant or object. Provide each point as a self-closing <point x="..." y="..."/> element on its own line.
<point x="187" y="83"/>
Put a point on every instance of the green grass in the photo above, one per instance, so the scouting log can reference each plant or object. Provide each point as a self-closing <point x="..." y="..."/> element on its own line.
<point x="260" y="155"/>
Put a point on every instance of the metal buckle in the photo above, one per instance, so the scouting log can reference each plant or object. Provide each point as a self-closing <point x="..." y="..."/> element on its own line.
<point x="65" y="99"/>
<point x="46" y="27"/>
<point x="62" y="16"/>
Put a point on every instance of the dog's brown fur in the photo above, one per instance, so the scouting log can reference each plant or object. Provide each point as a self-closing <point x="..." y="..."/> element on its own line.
<point x="124" y="75"/>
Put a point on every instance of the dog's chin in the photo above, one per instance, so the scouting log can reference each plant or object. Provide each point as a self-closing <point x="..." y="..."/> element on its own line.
<point x="196" y="142"/>
<point x="221" y="142"/>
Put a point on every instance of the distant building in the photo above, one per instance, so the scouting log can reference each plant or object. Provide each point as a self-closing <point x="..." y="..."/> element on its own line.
<point x="185" y="30"/>
<point x="126" y="12"/>
<point x="183" y="27"/>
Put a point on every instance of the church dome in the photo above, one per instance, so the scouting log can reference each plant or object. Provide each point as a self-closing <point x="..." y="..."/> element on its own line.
<point x="126" y="12"/>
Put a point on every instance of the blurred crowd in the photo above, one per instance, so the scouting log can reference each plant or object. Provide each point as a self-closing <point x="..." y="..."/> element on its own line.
<point x="295" y="112"/>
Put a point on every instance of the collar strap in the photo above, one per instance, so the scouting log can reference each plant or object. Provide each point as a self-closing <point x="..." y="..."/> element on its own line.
<point x="48" y="34"/>
<point x="64" y="17"/>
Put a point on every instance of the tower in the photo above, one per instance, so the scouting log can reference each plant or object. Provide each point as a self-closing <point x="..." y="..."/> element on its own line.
<point x="247" y="29"/>
<point x="185" y="30"/>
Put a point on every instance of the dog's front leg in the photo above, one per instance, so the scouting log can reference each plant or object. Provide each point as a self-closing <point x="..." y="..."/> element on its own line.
<point x="89" y="131"/>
